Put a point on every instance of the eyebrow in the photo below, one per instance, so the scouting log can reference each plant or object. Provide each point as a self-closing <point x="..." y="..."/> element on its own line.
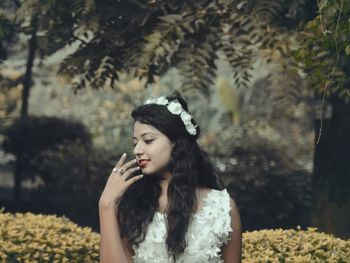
<point x="145" y="133"/>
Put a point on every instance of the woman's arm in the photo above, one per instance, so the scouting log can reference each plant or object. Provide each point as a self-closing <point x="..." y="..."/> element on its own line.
<point x="111" y="244"/>
<point x="231" y="252"/>
<point x="112" y="247"/>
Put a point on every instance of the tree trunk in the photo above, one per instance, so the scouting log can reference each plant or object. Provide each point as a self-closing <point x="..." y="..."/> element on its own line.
<point x="331" y="193"/>
<point x="27" y="82"/>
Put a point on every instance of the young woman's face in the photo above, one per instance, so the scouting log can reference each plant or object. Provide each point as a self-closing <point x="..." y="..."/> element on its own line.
<point x="152" y="148"/>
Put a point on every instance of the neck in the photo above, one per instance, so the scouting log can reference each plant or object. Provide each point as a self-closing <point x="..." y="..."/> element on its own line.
<point x="164" y="183"/>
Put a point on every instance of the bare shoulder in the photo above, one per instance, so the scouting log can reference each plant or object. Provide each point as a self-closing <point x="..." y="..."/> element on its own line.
<point x="234" y="209"/>
<point x="235" y="216"/>
<point x="203" y="192"/>
<point x="233" y="203"/>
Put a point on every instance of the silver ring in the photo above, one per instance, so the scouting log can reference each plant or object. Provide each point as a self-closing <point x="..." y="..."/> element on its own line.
<point x="121" y="171"/>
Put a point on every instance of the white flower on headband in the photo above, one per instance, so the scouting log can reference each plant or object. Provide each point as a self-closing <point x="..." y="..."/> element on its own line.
<point x="175" y="108"/>
<point x="191" y="129"/>
<point x="186" y="117"/>
<point x="160" y="101"/>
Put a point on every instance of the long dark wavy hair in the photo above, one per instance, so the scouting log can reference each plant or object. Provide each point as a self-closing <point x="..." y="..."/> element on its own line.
<point x="190" y="168"/>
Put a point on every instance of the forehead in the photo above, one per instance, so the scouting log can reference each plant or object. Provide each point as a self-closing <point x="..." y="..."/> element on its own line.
<point x="141" y="128"/>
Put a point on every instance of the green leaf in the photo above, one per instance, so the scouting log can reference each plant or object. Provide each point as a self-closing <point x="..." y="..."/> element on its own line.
<point x="347" y="50"/>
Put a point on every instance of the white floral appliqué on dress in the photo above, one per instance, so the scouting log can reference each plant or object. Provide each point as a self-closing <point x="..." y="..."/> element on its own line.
<point x="209" y="229"/>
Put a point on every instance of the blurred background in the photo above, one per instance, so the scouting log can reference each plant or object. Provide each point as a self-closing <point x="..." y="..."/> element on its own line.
<point x="268" y="82"/>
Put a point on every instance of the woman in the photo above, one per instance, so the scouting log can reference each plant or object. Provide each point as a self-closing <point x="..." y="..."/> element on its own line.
<point x="171" y="207"/>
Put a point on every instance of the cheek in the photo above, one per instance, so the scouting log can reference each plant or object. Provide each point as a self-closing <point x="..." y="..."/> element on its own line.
<point x="164" y="154"/>
<point x="167" y="154"/>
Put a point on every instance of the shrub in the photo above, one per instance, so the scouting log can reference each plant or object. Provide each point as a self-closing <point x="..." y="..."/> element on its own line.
<point x="30" y="137"/>
<point x="73" y="182"/>
<point x="35" y="134"/>
<point x="31" y="237"/>
<point x="269" y="199"/>
<point x="270" y="190"/>
<point x="48" y="238"/>
<point x="269" y="178"/>
<point x="294" y="246"/>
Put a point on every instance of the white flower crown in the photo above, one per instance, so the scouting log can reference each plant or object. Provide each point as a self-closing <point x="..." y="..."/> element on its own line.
<point x="175" y="107"/>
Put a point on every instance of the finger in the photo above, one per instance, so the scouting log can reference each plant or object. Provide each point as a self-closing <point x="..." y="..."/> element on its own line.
<point x="134" y="179"/>
<point x="134" y="169"/>
<point x="121" y="160"/>
<point x="127" y="165"/>
<point x="128" y="172"/>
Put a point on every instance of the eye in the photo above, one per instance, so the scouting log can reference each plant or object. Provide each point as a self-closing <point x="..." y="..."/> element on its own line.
<point x="149" y="141"/>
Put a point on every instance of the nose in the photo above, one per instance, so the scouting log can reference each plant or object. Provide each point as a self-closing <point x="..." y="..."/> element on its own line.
<point x="138" y="150"/>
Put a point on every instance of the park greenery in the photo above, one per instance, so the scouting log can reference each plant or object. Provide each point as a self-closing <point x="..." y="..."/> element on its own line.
<point x="49" y="238"/>
<point x="324" y="57"/>
<point x="254" y="111"/>
<point x="147" y="38"/>
<point x="324" y="50"/>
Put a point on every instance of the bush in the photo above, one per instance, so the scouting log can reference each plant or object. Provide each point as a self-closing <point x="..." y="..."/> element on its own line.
<point x="56" y="155"/>
<point x="73" y="182"/>
<point x="30" y="137"/>
<point x="269" y="199"/>
<point x="69" y="172"/>
<point x="35" y="134"/>
<point x="269" y="178"/>
<point x="270" y="191"/>
<point x="45" y="238"/>
<point x="48" y="238"/>
<point x="294" y="246"/>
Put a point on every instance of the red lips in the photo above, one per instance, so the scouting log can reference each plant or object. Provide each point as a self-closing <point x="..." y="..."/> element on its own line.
<point x="143" y="162"/>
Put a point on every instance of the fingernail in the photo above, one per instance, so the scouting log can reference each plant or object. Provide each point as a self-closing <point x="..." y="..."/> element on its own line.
<point x="124" y="154"/>
<point x="141" y="175"/>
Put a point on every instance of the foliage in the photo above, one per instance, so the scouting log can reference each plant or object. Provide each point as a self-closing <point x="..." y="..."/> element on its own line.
<point x="268" y="177"/>
<point x="325" y="49"/>
<point x="271" y="189"/>
<point x="68" y="174"/>
<point x="106" y="113"/>
<point x="72" y="180"/>
<point x="45" y="238"/>
<point x="294" y="246"/>
<point x="269" y="198"/>
<point x="53" y="21"/>
<point x="42" y="133"/>
<point x="6" y="34"/>
<point x="8" y="101"/>
<point x="147" y="38"/>
<point x="35" y="134"/>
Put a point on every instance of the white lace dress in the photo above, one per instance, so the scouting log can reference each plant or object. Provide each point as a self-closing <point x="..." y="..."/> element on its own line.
<point x="209" y="229"/>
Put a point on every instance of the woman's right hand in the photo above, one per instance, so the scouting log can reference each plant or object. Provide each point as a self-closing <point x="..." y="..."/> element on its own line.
<point x="117" y="182"/>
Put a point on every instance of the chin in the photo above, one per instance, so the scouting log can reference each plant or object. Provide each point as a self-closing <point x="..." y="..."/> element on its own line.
<point x="146" y="171"/>
<point x="152" y="173"/>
